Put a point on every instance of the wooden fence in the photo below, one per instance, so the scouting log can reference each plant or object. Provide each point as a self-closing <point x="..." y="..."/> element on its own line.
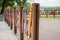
<point x="15" y="19"/>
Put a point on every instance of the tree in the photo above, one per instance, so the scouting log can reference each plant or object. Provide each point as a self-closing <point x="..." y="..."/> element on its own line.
<point x="6" y="3"/>
<point x="27" y="5"/>
<point x="20" y="2"/>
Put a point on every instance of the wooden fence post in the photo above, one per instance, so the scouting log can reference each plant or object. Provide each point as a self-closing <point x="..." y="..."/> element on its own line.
<point x="18" y="24"/>
<point x="21" y="23"/>
<point x="9" y="19"/>
<point x="35" y="21"/>
<point x="11" y="12"/>
<point x="15" y="20"/>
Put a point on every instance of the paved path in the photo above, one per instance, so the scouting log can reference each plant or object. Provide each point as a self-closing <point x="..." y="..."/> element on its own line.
<point x="5" y="32"/>
<point x="49" y="29"/>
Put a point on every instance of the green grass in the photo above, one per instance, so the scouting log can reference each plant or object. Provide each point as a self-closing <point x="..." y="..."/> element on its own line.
<point x="57" y="16"/>
<point x="43" y="16"/>
<point x="50" y="16"/>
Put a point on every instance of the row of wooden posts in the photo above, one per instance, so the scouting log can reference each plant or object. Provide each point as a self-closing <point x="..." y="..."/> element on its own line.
<point x="15" y="19"/>
<point x="47" y="13"/>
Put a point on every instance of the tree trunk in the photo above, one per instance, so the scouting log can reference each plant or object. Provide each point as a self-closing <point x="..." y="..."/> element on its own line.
<point x="3" y="6"/>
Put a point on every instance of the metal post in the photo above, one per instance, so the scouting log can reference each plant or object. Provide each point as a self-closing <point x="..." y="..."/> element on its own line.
<point x="35" y="21"/>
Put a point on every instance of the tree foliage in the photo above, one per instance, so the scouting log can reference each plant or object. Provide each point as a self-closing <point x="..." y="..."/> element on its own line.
<point x="1" y="2"/>
<point x="6" y="3"/>
<point x="52" y="8"/>
<point x="11" y="2"/>
<point x="27" y="5"/>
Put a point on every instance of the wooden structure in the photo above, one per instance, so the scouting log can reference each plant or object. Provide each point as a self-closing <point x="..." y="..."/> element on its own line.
<point x="21" y="23"/>
<point x="11" y="12"/>
<point x="35" y="21"/>
<point x="52" y="13"/>
<point x="15" y="19"/>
